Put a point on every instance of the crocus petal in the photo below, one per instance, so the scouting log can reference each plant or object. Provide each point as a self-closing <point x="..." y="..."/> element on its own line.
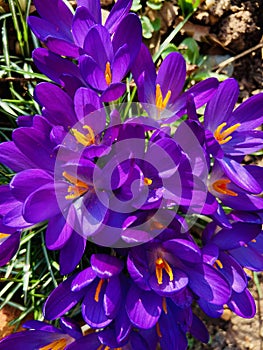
<point x="239" y="175"/>
<point x="233" y="272"/>
<point x="199" y="330"/>
<point x="13" y="158"/>
<point x="128" y="33"/>
<point x="106" y="266"/>
<point x="28" y="181"/>
<point x="249" y="113"/>
<point x="70" y="327"/>
<point x="243" y="304"/>
<point x="91" y="341"/>
<point x="58" y="232"/>
<point x="54" y="66"/>
<point x="220" y="107"/>
<point x="92" y="310"/>
<point x="61" y="300"/>
<point x="92" y="73"/>
<point x="47" y="9"/>
<point x="209" y="284"/>
<point x="144" y="73"/>
<point x="58" y="105"/>
<point x="211" y="310"/>
<point x="93" y="6"/>
<point x="29" y="340"/>
<point x="41" y="204"/>
<point x="240" y="234"/>
<point x="183" y="249"/>
<point x="7" y="201"/>
<point x="14" y="218"/>
<point x="248" y="257"/>
<point x="120" y="64"/>
<point x="168" y="287"/>
<point x="62" y="47"/>
<point x="171" y="75"/>
<point x="33" y="143"/>
<point x="83" y="279"/>
<point x="81" y="23"/>
<point x="118" y="12"/>
<point x="112" y="297"/>
<point x="88" y="107"/>
<point x="172" y="335"/>
<point x="98" y="45"/>
<point x="143" y="308"/>
<point x="41" y="326"/>
<point x="68" y="261"/>
<point x="9" y="247"/>
<point x="43" y="29"/>
<point x="113" y="92"/>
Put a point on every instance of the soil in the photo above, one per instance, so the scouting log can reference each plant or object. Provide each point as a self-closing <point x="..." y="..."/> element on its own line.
<point x="221" y="27"/>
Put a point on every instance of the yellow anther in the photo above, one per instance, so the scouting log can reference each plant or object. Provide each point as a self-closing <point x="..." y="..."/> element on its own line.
<point x="223" y="136"/>
<point x="4" y="235"/>
<point x="218" y="263"/>
<point x="253" y="240"/>
<point x="161" y="264"/>
<point x="98" y="290"/>
<point x="158" y="331"/>
<point x="56" y="345"/>
<point x="147" y="181"/>
<point x="220" y="186"/>
<point x="155" y="225"/>
<point x="85" y="140"/>
<point x="107" y="74"/>
<point x="164" y="305"/>
<point x="161" y="102"/>
<point x="78" y="189"/>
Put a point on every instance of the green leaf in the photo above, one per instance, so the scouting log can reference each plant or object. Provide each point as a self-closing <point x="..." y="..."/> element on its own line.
<point x="154" y="5"/>
<point x="191" y="54"/>
<point x="136" y="5"/>
<point x="147" y="27"/>
<point x="170" y="48"/>
<point x="186" y="6"/>
<point x="156" y="24"/>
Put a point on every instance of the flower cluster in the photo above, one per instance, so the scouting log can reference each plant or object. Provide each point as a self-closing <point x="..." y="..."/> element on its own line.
<point x="131" y="178"/>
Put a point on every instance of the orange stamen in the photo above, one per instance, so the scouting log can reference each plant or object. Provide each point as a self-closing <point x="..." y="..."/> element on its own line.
<point x="220" y="186"/>
<point x="98" y="289"/>
<point x="56" y="345"/>
<point x="223" y="137"/>
<point x="164" y="305"/>
<point x="218" y="263"/>
<point x="161" y="102"/>
<point x="147" y="181"/>
<point x="107" y="74"/>
<point x="78" y="189"/>
<point x="161" y="264"/>
<point x="4" y="235"/>
<point x="158" y="330"/>
<point x="85" y="140"/>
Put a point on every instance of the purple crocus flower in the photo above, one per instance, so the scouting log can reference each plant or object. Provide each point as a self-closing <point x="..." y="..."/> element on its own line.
<point x="230" y="194"/>
<point x="170" y="263"/>
<point x="105" y="340"/>
<point x="230" y="250"/>
<point x="43" y="336"/>
<point x="99" y="285"/>
<point x="64" y="32"/>
<point x="106" y="62"/>
<point x="231" y="133"/>
<point x="163" y="90"/>
<point x="9" y="243"/>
